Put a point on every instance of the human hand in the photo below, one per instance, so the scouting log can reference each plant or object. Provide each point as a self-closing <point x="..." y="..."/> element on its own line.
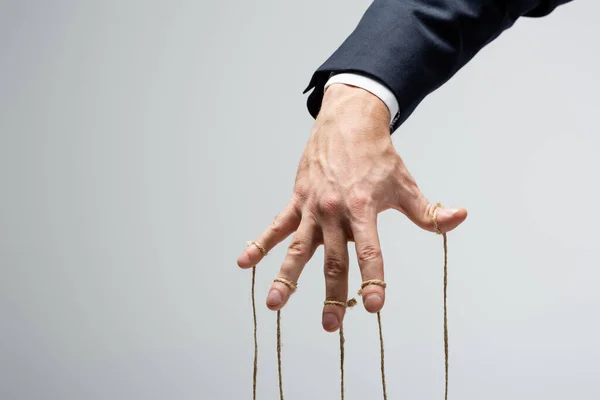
<point x="348" y="173"/>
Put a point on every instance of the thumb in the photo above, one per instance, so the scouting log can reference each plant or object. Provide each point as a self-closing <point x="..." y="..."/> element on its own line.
<point x="443" y="219"/>
<point x="429" y="216"/>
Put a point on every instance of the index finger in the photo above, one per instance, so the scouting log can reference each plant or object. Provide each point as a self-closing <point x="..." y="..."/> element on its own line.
<point x="282" y="226"/>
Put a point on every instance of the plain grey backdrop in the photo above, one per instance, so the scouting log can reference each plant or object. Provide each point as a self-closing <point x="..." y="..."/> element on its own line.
<point x="143" y="142"/>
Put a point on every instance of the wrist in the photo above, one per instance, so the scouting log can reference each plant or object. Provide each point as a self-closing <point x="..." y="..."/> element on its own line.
<point x="342" y="100"/>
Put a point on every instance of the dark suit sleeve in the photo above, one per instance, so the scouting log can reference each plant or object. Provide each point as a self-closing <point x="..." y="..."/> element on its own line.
<point x="414" y="46"/>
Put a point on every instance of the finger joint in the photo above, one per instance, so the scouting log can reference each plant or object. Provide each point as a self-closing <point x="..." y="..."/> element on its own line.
<point x="329" y="205"/>
<point x="335" y="267"/>
<point x="368" y="253"/>
<point x="298" y="249"/>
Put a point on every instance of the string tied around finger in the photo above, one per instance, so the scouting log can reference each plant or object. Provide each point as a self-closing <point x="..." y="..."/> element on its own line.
<point x="436" y="226"/>
<point x="255" y="369"/>
<point x="434" y="218"/>
<point x="371" y="282"/>
<point x="344" y="304"/>
<point x="293" y="286"/>
<point x="259" y="246"/>
<point x="382" y="284"/>
<point x="264" y="252"/>
<point x="434" y="212"/>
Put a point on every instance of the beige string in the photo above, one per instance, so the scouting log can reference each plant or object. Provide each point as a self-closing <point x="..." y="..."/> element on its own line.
<point x="348" y="304"/>
<point x="438" y="231"/>
<point x="293" y="286"/>
<point x="279" y="354"/>
<point x="255" y="370"/>
<point x="381" y="350"/>
<point x="258" y="246"/>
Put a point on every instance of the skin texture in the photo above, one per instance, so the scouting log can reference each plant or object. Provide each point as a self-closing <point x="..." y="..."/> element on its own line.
<point x="349" y="172"/>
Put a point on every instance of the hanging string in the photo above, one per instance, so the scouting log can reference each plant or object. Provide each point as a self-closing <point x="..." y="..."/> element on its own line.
<point x="292" y="286"/>
<point x="349" y="304"/>
<point x="381" y="350"/>
<point x="382" y="356"/>
<point x="342" y="356"/>
<point x="445" y="239"/>
<point x="255" y="370"/>
<point x="446" y="309"/>
<point x="279" y="354"/>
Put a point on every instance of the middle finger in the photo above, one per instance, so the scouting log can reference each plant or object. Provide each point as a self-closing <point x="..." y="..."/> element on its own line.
<point x="336" y="273"/>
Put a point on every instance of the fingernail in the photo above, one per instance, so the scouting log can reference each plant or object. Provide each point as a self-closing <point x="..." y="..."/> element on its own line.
<point x="373" y="301"/>
<point x="274" y="298"/>
<point x="448" y="212"/>
<point x="330" y="321"/>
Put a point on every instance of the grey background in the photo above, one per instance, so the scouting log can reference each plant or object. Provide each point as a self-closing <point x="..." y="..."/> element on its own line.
<point x="143" y="142"/>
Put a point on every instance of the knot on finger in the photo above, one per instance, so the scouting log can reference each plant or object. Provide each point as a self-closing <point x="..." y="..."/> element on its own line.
<point x="434" y="217"/>
<point x="348" y="304"/>
<point x="351" y="303"/>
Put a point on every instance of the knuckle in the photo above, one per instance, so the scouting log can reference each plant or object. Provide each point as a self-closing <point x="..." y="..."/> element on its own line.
<point x="301" y="192"/>
<point x="284" y="223"/>
<point x="329" y="205"/>
<point x="359" y="203"/>
<point x="276" y="227"/>
<point x="334" y="267"/>
<point x="298" y="249"/>
<point x="368" y="253"/>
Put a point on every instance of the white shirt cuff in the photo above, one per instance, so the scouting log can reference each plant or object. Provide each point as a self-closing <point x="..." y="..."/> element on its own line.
<point x="370" y="85"/>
